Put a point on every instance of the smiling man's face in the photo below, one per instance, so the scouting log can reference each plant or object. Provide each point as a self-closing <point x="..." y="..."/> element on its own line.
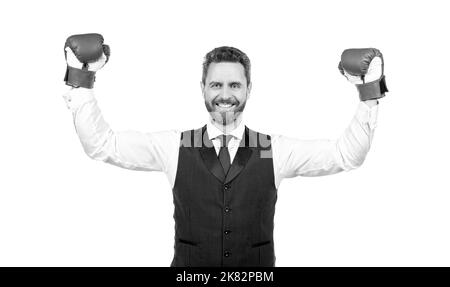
<point x="225" y="91"/>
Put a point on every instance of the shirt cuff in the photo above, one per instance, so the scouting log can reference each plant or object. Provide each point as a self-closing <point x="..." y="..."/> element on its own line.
<point x="76" y="97"/>
<point x="367" y="114"/>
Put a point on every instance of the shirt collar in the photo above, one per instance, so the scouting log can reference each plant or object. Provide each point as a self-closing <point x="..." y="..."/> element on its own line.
<point x="214" y="132"/>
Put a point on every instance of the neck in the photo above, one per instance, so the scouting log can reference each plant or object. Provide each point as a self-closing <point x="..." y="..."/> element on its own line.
<point x="228" y="127"/>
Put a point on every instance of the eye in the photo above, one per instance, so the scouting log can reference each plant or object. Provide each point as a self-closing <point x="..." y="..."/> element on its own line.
<point x="216" y="85"/>
<point x="235" y="86"/>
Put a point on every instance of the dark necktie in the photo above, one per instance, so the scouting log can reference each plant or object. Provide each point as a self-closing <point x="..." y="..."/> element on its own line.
<point x="224" y="155"/>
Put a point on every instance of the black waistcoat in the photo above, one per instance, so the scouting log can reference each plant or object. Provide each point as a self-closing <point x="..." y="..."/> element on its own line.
<point x="224" y="220"/>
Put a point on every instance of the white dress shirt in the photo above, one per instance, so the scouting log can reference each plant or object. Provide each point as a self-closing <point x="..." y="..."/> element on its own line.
<point x="158" y="151"/>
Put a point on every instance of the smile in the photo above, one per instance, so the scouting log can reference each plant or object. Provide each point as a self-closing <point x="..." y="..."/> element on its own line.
<point x="224" y="106"/>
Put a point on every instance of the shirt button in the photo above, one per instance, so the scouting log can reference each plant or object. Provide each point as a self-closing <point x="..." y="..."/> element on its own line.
<point x="227" y="209"/>
<point x="227" y="254"/>
<point x="227" y="232"/>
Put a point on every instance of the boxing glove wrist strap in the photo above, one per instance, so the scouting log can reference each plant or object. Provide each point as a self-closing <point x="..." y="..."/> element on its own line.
<point x="79" y="78"/>
<point x="372" y="90"/>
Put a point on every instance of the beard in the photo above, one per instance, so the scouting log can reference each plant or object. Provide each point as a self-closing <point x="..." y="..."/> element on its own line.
<point x="225" y="117"/>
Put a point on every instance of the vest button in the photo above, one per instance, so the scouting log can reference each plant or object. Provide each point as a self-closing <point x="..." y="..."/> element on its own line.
<point x="227" y="209"/>
<point x="227" y="254"/>
<point x="227" y="232"/>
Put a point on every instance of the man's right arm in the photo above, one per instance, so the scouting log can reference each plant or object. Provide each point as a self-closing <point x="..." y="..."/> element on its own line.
<point x="156" y="151"/>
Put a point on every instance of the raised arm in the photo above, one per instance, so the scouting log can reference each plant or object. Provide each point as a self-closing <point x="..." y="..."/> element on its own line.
<point x="156" y="151"/>
<point x="295" y="157"/>
<point x="127" y="149"/>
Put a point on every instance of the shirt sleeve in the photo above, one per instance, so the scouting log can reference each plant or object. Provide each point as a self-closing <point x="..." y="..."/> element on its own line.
<point x="155" y="151"/>
<point x="295" y="157"/>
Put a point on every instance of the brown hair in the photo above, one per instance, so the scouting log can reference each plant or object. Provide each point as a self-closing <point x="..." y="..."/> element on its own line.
<point x="226" y="54"/>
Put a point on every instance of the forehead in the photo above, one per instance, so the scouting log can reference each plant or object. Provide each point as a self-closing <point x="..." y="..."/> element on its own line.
<point x="225" y="71"/>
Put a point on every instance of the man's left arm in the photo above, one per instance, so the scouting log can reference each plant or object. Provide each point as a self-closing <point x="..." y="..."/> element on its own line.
<point x="298" y="157"/>
<point x="295" y="157"/>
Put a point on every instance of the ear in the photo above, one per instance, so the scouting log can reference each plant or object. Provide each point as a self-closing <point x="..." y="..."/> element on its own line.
<point x="202" y="86"/>
<point x="249" y="89"/>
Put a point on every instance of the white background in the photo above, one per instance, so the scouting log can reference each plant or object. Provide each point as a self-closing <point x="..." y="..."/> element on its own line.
<point x="59" y="208"/>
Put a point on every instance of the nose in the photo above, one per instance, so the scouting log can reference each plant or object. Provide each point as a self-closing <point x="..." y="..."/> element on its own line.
<point x="225" y="93"/>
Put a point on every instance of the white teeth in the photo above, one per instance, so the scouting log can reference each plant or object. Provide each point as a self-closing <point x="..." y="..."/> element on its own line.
<point x="224" y="105"/>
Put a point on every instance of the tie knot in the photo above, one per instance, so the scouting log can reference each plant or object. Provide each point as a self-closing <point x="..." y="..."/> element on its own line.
<point x="224" y="140"/>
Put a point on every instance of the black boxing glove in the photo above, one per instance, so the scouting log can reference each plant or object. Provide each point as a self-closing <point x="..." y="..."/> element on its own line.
<point x="85" y="55"/>
<point x="365" y="69"/>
